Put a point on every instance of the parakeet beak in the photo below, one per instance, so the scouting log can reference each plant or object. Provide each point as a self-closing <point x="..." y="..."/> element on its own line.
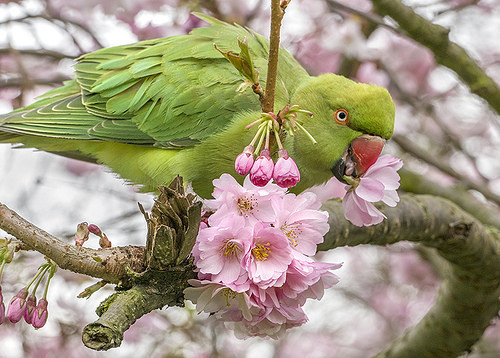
<point x="358" y="157"/>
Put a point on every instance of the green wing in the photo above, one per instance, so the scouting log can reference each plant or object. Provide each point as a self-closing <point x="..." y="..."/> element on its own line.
<point x="169" y="92"/>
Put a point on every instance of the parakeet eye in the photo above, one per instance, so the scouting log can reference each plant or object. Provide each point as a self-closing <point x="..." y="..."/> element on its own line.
<point x="341" y="116"/>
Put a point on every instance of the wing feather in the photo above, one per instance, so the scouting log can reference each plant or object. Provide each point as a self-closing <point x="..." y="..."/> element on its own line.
<point x="170" y="92"/>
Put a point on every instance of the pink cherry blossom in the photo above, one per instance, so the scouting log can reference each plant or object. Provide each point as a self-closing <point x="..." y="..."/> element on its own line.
<point x="269" y="256"/>
<point x="333" y="188"/>
<point x="221" y="250"/>
<point x="286" y="174"/>
<point x="215" y="297"/>
<point x="299" y="218"/>
<point x="379" y="183"/>
<point x="262" y="170"/>
<point x="249" y="254"/>
<point x="249" y="201"/>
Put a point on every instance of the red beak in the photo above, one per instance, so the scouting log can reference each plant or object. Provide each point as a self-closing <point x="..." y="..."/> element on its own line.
<point x="365" y="151"/>
<point x="358" y="157"/>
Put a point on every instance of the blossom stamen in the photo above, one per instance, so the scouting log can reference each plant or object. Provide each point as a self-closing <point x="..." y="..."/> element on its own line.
<point x="230" y="249"/>
<point x="229" y="294"/>
<point x="261" y="252"/>
<point x="247" y="205"/>
<point x="292" y="232"/>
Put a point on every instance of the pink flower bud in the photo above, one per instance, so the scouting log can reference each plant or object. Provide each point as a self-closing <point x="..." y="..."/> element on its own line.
<point x="286" y="174"/>
<point x="40" y="314"/>
<point x="17" y="306"/>
<point x="104" y="242"/>
<point x="2" y="312"/>
<point x="244" y="161"/>
<point x="2" y="307"/>
<point x="94" y="229"/>
<point x="30" y="308"/>
<point x="82" y="233"/>
<point x="262" y="169"/>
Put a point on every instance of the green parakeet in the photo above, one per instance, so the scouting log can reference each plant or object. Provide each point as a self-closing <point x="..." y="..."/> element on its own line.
<point x="162" y="107"/>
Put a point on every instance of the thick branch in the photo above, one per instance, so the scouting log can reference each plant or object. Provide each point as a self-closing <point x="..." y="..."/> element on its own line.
<point x="108" y="264"/>
<point x="122" y="309"/>
<point x="468" y="298"/>
<point x="447" y="53"/>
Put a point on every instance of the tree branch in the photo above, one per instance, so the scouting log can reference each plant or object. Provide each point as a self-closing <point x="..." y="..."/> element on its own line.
<point x="277" y="13"/>
<point x="446" y="53"/>
<point x="108" y="264"/>
<point x="468" y="298"/>
<point x="467" y="301"/>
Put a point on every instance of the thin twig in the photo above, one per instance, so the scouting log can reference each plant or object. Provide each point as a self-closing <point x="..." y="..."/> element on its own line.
<point x="277" y="13"/>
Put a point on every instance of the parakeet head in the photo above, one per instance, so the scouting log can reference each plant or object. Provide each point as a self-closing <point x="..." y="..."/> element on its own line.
<point x="351" y="122"/>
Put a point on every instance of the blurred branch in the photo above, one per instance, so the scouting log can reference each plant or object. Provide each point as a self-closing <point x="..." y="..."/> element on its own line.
<point x="39" y="53"/>
<point x="59" y="22"/>
<point x="446" y="53"/>
<point x="468" y="298"/>
<point x="376" y="20"/>
<point x="21" y="82"/>
<point x="418" y="184"/>
<point x="410" y="147"/>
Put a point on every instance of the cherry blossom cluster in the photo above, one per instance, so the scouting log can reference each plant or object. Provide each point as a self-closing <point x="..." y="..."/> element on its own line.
<point x="379" y="183"/>
<point x="24" y="304"/>
<point x="253" y="257"/>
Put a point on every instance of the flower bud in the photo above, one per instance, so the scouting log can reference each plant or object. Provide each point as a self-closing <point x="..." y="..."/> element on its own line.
<point x="244" y="161"/>
<point x="104" y="242"/>
<point x="262" y="170"/>
<point x="94" y="229"/>
<point x="2" y="307"/>
<point x="40" y="314"/>
<point x="82" y="233"/>
<point x="17" y="306"/>
<point x="286" y="174"/>
<point x="30" y="308"/>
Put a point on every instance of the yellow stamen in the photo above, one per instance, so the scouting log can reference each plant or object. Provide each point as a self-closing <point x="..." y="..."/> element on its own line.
<point x="261" y="251"/>
<point x="230" y="249"/>
<point x="229" y="294"/>
<point x="247" y="204"/>
<point x="293" y="232"/>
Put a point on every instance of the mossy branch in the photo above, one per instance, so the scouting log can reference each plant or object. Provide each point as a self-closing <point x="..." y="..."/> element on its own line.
<point x="446" y="52"/>
<point x="468" y="298"/>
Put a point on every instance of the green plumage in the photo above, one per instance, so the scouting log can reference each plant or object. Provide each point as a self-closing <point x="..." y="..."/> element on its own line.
<point x="169" y="106"/>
